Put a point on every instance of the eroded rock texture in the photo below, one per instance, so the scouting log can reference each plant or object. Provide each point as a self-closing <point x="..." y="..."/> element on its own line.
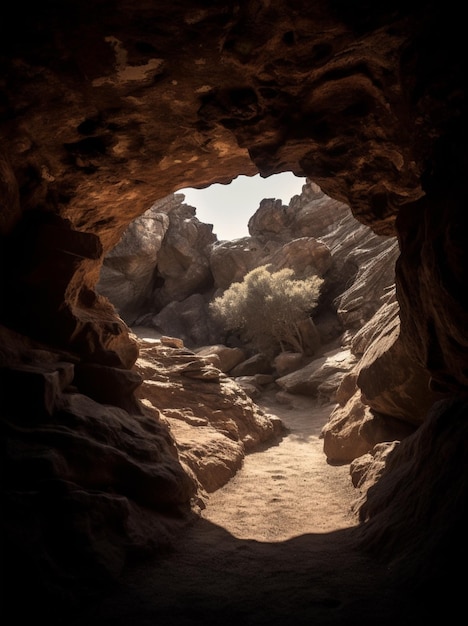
<point x="108" y="106"/>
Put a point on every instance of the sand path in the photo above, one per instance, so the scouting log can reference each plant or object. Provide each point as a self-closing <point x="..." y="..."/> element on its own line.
<point x="289" y="489"/>
<point x="274" y="547"/>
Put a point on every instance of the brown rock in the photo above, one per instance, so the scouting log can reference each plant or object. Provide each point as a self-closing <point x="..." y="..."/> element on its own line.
<point x="256" y="364"/>
<point x="176" y="378"/>
<point x="309" y="379"/>
<point x="126" y="276"/>
<point x="342" y="438"/>
<point x="391" y="382"/>
<point x="225" y="358"/>
<point x="103" y="112"/>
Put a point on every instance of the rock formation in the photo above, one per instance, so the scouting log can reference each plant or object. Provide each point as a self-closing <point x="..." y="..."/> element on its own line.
<point x="108" y="107"/>
<point x="313" y="235"/>
<point x="194" y="393"/>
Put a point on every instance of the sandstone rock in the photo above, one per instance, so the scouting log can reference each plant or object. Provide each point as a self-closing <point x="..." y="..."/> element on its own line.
<point x="347" y="387"/>
<point x="391" y="382"/>
<point x="108" y="385"/>
<point x="171" y="342"/>
<point x="103" y="114"/>
<point x="190" y="320"/>
<point x="213" y="457"/>
<point x="312" y="214"/>
<point x="287" y="362"/>
<point x="183" y="262"/>
<point x="308" y="379"/>
<point x="306" y="256"/>
<point x="249" y="385"/>
<point x="404" y="483"/>
<point x="126" y="276"/>
<point x="230" y="261"/>
<point x="362" y="299"/>
<point x="215" y="409"/>
<point x="32" y="391"/>
<point x="109" y="482"/>
<point x="342" y="438"/>
<point x="366" y="470"/>
<point x="377" y="428"/>
<point x="270" y="221"/>
<point x="256" y="364"/>
<point x="225" y="358"/>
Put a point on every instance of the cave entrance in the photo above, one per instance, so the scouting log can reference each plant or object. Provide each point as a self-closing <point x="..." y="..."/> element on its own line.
<point x="229" y="207"/>
<point x="313" y="235"/>
<point x="316" y="236"/>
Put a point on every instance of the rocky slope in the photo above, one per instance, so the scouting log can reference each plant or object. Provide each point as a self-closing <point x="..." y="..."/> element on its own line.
<point x="355" y="357"/>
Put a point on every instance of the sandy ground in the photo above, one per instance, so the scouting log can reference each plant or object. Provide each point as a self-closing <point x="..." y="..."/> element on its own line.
<point x="289" y="489"/>
<point x="274" y="547"/>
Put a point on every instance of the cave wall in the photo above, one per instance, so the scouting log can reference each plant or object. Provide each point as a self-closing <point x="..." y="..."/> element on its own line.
<point x="107" y="106"/>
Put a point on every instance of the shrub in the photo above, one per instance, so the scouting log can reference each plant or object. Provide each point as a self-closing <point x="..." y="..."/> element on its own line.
<point x="266" y="308"/>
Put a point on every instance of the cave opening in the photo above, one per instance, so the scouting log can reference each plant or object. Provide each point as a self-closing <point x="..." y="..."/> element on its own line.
<point x="229" y="207"/>
<point x="313" y="234"/>
<point x="105" y="105"/>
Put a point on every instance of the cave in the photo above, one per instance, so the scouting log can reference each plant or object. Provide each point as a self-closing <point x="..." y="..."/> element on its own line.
<point x="108" y="106"/>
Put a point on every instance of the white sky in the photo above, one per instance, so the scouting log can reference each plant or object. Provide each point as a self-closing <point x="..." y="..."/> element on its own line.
<point x="229" y="207"/>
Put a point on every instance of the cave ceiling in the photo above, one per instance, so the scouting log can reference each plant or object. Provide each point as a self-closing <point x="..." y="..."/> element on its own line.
<point x="109" y="105"/>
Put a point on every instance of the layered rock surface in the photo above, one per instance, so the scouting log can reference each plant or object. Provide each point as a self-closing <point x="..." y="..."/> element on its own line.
<point x="107" y="107"/>
<point x="381" y="394"/>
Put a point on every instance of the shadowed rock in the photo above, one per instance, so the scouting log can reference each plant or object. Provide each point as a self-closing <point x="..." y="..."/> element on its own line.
<point x="108" y="107"/>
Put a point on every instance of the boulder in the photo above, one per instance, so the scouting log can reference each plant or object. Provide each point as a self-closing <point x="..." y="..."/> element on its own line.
<point x="226" y="358"/>
<point x="307" y="380"/>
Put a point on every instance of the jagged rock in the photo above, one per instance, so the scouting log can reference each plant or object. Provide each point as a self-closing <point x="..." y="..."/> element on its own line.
<point x="362" y="339"/>
<point x="190" y="320"/>
<point x="213" y="457"/>
<point x="310" y="214"/>
<point x="102" y="113"/>
<point x="270" y="221"/>
<point x="362" y="299"/>
<point x="366" y="470"/>
<point x="226" y="358"/>
<point x="307" y="380"/>
<point x="277" y="241"/>
<point x="377" y="428"/>
<point x="306" y="255"/>
<point x="386" y="380"/>
<point x="347" y="387"/>
<point x="108" y="482"/>
<point x="220" y="417"/>
<point x="391" y="382"/>
<point x="256" y="364"/>
<point x="409" y="501"/>
<point x="342" y="438"/>
<point x="127" y="272"/>
<point x="108" y="385"/>
<point x="249" y="385"/>
<point x="230" y="261"/>
<point x="183" y="263"/>
<point x="314" y="214"/>
<point x="354" y="429"/>
<point x="44" y="383"/>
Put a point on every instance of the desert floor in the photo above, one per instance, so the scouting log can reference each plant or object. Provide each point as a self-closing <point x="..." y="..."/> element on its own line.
<point x="275" y="546"/>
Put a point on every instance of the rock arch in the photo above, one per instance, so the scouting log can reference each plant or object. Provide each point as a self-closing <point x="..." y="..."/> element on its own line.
<point x="108" y="106"/>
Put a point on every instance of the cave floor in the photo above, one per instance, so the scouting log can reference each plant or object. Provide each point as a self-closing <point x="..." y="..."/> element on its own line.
<point x="275" y="546"/>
